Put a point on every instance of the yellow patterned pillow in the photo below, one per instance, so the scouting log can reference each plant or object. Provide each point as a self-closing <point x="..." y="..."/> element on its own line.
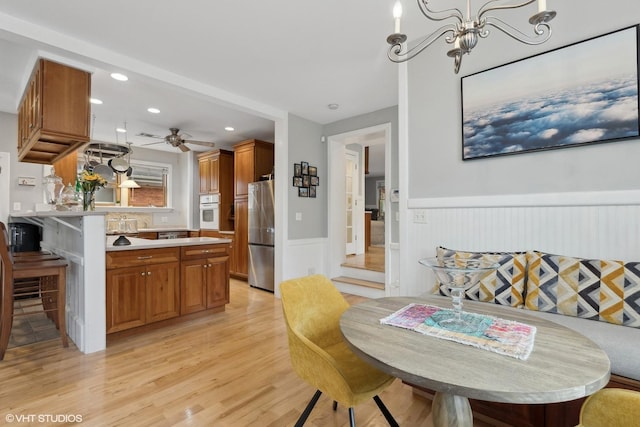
<point x="503" y="286"/>
<point x="593" y="289"/>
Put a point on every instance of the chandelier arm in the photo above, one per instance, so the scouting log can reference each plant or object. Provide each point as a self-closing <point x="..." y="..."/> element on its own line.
<point x="542" y="31"/>
<point x="487" y="8"/>
<point x="431" y="14"/>
<point x="396" y="54"/>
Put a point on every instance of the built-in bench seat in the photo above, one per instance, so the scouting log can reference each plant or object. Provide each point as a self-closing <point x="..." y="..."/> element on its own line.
<point x="597" y="298"/>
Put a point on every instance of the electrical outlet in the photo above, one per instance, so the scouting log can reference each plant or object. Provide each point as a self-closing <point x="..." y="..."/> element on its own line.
<point x="164" y="219"/>
<point x="311" y="271"/>
<point x="420" y="216"/>
<point x="298" y="216"/>
<point x="17" y="206"/>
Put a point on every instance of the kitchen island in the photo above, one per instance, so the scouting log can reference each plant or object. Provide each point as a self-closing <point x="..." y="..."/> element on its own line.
<point x="149" y="281"/>
<point x="80" y="238"/>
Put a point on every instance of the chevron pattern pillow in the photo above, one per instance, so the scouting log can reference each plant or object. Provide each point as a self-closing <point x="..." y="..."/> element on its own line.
<point x="504" y="286"/>
<point x="593" y="289"/>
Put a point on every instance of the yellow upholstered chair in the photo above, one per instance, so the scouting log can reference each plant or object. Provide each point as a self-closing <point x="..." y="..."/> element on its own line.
<point x="312" y="308"/>
<point x="611" y="407"/>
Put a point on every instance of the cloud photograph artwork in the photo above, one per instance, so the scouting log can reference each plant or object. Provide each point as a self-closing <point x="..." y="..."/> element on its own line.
<point x="579" y="94"/>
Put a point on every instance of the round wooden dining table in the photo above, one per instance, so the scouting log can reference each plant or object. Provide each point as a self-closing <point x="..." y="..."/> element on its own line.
<point x="563" y="365"/>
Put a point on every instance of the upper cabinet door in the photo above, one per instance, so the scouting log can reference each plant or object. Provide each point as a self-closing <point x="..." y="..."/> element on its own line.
<point x="244" y="171"/>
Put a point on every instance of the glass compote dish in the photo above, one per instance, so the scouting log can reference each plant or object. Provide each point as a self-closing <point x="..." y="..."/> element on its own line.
<point x="458" y="275"/>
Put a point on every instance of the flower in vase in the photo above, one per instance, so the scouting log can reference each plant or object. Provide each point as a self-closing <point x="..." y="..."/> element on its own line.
<point x="90" y="181"/>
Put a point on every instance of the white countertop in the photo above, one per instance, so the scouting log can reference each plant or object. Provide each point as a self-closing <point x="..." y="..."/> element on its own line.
<point x="137" y="243"/>
<point x="48" y="214"/>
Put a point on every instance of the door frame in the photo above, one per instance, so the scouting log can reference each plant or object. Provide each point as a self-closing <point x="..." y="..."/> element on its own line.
<point x="336" y="200"/>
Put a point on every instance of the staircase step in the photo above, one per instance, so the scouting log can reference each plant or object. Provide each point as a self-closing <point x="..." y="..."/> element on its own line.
<point x="359" y="282"/>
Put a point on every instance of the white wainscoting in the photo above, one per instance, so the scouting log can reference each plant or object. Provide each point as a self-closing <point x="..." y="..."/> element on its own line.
<point x="588" y="225"/>
<point x="303" y="257"/>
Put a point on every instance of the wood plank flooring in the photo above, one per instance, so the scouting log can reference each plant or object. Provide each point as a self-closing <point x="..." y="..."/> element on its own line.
<point x="227" y="369"/>
<point x="372" y="259"/>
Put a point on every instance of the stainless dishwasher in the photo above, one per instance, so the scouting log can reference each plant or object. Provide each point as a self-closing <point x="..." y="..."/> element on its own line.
<point x="173" y="234"/>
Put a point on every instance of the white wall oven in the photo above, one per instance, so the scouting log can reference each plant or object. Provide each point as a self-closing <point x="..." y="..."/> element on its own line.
<point x="210" y="211"/>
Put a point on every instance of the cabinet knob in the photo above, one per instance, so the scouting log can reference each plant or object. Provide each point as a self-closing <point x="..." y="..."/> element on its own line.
<point x="142" y="274"/>
<point x="148" y="273"/>
<point x="204" y="266"/>
<point x="145" y="257"/>
<point x="209" y="265"/>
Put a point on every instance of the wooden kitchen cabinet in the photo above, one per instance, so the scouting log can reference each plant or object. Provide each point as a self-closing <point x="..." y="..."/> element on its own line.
<point x="252" y="159"/>
<point x="204" y="277"/>
<point x="126" y="299"/>
<point x="216" y="177"/>
<point x="241" y="247"/>
<point x="143" y="286"/>
<point x="53" y="116"/>
<point x="233" y="269"/>
<point x="149" y="235"/>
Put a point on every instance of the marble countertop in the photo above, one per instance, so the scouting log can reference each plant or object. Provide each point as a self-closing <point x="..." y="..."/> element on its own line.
<point x="137" y="243"/>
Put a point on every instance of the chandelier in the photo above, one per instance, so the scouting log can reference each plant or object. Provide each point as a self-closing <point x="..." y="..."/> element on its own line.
<point x="464" y="32"/>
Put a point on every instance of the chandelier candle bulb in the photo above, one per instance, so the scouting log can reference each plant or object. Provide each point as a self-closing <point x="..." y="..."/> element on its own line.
<point x="397" y="14"/>
<point x="542" y="5"/>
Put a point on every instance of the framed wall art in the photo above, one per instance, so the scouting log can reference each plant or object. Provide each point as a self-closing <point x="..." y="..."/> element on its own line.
<point x="305" y="179"/>
<point x="575" y="95"/>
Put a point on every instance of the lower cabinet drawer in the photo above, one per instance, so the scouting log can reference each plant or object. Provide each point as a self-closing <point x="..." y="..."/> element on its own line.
<point x="134" y="258"/>
<point x="192" y="252"/>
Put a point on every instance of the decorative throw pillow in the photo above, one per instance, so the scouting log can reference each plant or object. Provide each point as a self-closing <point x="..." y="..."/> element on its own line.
<point x="593" y="289"/>
<point x="503" y="286"/>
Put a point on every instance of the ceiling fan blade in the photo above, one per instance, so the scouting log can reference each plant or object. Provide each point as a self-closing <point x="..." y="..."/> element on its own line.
<point x="184" y="148"/>
<point x="153" y="143"/>
<point x="149" y="135"/>
<point x="203" y="143"/>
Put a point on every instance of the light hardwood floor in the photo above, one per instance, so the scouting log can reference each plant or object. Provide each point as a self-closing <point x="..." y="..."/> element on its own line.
<point x="372" y="259"/>
<point x="227" y="369"/>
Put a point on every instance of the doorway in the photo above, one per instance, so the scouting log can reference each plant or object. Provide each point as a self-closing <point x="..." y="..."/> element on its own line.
<point x="368" y="265"/>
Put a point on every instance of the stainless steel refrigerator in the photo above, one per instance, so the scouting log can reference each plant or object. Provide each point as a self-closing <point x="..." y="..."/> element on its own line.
<point x="261" y="235"/>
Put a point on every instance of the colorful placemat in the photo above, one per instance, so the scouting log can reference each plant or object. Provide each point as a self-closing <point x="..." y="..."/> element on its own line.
<point x="490" y="333"/>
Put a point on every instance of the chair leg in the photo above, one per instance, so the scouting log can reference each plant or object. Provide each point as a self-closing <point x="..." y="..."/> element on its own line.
<point x="61" y="305"/>
<point x="352" y="417"/>
<point x="392" y="422"/>
<point x="6" y="315"/>
<point x="308" y="409"/>
<point x="335" y="405"/>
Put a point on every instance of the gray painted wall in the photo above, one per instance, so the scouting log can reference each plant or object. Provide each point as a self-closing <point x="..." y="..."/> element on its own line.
<point x="305" y="145"/>
<point x="435" y="153"/>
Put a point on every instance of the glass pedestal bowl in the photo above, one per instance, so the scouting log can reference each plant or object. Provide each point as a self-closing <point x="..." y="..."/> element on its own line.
<point x="458" y="275"/>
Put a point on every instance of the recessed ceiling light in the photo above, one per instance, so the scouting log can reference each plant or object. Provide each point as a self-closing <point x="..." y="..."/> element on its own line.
<point x="121" y="130"/>
<point x="229" y="129"/>
<point x="333" y="106"/>
<point x="153" y="110"/>
<point x="95" y="101"/>
<point x="119" y="77"/>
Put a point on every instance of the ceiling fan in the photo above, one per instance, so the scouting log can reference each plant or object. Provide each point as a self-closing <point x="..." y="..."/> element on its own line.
<point x="177" y="140"/>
